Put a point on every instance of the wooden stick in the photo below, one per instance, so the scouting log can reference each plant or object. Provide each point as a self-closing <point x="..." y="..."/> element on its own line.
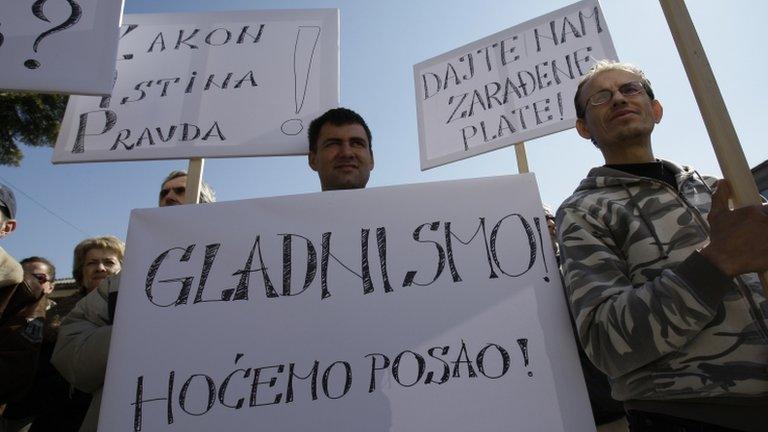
<point x="194" y="180"/>
<point x="729" y="153"/>
<point x="522" y="159"/>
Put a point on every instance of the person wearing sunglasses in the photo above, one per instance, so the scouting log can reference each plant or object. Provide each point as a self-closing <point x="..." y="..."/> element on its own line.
<point x="42" y="270"/>
<point x="50" y="403"/>
<point x="660" y="272"/>
<point x="173" y="190"/>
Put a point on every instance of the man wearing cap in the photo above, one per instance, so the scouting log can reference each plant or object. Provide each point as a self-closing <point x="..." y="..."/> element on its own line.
<point x="22" y="313"/>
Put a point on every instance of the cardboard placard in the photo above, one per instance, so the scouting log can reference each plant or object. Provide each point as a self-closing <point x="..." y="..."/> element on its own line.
<point x="383" y="309"/>
<point x="510" y="87"/>
<point x="62" y="46"/>
<point x="222" y="84"/>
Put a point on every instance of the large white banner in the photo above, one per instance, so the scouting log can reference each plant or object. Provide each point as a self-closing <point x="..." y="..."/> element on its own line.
<point x="221" y="84"/>
<point x="59" y="46"/>
<point x="510" y="87"/>
<point x="428" y="307"/>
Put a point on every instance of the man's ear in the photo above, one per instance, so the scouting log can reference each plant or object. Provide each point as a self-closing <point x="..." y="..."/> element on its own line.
<point x="8" y="227"/>
<point x="372" y="160"/>
<point x="581" y="128"/>
<point x="658" y="110"/>
<point x="312" y="159"/>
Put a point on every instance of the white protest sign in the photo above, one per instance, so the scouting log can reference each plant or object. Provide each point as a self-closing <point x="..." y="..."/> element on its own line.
<point x="59" y="46"/>
<point x="383" y="309"/>
<point x="510" y="87"/>
<point x="221" y="84"/>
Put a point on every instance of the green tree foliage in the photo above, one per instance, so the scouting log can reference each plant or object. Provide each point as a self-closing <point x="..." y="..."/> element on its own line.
<point x="32" y="119"/>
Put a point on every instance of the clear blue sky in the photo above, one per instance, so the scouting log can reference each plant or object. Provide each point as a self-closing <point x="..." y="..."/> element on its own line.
<point x="380" y="42"/>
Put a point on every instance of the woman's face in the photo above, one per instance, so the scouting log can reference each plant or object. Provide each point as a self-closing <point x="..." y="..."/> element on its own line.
<point x="99" y="263"/>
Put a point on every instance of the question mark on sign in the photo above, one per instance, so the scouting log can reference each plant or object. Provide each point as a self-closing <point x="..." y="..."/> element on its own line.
<point x="37" y="10"/>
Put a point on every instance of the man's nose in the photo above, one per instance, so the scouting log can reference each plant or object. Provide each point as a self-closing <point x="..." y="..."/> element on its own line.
<point x="345" y="149"/>
<point x="617" y="98"/>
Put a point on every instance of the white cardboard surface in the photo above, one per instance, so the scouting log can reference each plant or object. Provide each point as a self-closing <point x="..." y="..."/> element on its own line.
<point x="509" y="87"/>
<point x="63" y="46"/>
<point x="213" y="348"/>
<point x="222" y="84"/>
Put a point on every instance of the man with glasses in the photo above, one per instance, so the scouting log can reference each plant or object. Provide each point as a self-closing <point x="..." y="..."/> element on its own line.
<point x="42" y="270"/>
<point x="173" y="190"/>
<point x="658" y="272"/>
<point x="22" y="313"/>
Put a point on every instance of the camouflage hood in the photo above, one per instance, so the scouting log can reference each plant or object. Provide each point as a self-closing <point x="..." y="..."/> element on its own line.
<point x="603" y="176"/>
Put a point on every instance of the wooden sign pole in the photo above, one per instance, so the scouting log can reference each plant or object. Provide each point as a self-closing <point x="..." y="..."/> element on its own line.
<point x="194" y="180"/>
<point x="522" y="159"/>
<point x="729" y="153"/>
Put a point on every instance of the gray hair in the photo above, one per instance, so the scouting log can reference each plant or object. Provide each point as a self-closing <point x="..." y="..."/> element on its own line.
<point x="207" y="195"/>
<point x="608" y="65"/>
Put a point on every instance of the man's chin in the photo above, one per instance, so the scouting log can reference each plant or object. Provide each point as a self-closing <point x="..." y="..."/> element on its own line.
<point x="345" y="183"/>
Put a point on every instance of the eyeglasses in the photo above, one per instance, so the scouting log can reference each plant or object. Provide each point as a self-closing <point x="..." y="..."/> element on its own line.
<point x="179" y="190"/>
<point x="628" y="89"/>
<point x="42" y="277"/>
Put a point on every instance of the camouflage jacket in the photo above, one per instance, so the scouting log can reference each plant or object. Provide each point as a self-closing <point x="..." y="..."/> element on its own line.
<point x="651" y="312"/>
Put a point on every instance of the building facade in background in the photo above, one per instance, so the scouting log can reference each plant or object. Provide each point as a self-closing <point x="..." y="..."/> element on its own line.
<point x="760" y="173"/>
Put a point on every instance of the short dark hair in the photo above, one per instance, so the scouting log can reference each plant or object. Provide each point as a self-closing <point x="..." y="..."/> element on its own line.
<point x="606" y="65"/>
<point x="337" y="117"/>
<point x="41" y="260"/>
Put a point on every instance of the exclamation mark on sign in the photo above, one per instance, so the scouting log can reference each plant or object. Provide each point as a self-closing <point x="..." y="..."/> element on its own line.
<point x="560" y="104"/>
<point x="537" y="221"/>
<point x="303" y="53"/>
<point x="524" y="349"/>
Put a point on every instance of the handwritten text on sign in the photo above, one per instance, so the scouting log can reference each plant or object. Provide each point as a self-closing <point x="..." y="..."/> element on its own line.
<point x="510" y="87"/>
<point x="209" y="85"/>
<point x="337" y="311"/>
<point x="59" y="46"/>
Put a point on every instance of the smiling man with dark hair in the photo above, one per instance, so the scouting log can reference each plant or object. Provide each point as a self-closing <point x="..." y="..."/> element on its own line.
<point x="340" y="149"/>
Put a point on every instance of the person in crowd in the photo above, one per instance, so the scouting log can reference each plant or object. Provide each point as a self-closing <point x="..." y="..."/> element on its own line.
<point x="89" y="327"/>
<point x="659" y="272"/>
<point x="22" y="313"/>
<point x="340" y="149"/>
<point x="52" y="404"/>
<point x="43" y="270"/>
<point x="80" y="353"/>
<point x="173" y="190"/>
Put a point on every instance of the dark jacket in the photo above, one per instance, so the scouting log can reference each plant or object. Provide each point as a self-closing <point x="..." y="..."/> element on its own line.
<point x="22" y="317"/>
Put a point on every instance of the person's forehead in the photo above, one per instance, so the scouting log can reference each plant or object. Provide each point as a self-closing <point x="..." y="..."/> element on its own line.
<point x="178" y="181"/>
<point x="36" y="267"/>
<point x="349" y="130"/>
<point x="100" y="253"/>
<point x="609" y="79"/>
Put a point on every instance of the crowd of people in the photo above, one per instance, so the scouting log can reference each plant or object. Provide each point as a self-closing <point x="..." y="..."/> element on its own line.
<point x="659" y="273"/>
<point x="53" y="353"/>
